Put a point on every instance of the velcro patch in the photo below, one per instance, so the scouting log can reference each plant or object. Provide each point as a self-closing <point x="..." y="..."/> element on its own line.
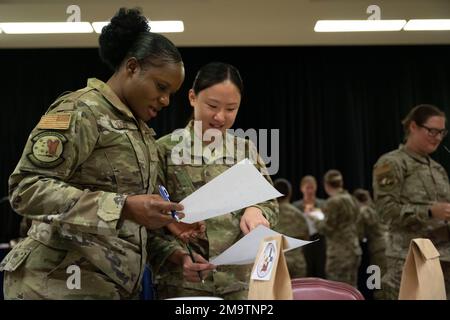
<point x="386" y="181"/>
<point x="385" y="175"/>
<point x="383" y="169"/>
<point x="47" y="149"/>
<point x="58" y="121"/>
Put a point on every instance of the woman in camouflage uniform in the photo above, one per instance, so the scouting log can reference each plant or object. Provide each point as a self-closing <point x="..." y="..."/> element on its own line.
<point x="215" y="97"/>
<point x="412" y="195"/>
<point x="372" y="236"/>
<point x="291" y="223"/>
<point x="87" y="175"/>
<point x="371" y="228"/>
<point x="340" y="230"/>
<point x="316" y="252"/>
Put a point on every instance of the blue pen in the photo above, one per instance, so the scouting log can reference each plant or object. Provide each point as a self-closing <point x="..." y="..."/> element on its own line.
<point x="165" y="195"/>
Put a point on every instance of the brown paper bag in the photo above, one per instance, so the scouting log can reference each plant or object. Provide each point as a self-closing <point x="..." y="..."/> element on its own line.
<point x="422" y="277"/>
<point x="270" y="278"/>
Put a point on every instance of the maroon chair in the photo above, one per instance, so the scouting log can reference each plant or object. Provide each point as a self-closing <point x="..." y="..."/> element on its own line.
<point x="321" y="289"/>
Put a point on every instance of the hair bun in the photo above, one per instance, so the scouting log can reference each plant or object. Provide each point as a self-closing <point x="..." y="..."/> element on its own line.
<point x="119" y="35"/>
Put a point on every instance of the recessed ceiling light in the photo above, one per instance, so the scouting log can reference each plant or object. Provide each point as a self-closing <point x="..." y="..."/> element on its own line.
<point x="155" y="26"/>
<point x="45" y="27"/>
<point x="427" y="24"/>
<point x="358" y="25"/>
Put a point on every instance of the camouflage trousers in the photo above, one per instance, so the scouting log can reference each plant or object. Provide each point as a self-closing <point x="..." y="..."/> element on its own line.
<point x="42" y="273"/>
<point x="343" y="269"/>
<point x="390" y="281"/>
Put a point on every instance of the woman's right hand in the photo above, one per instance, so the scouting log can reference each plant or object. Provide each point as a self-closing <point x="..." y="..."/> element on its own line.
<point x="441" y="210"/>
<point x="191" y="269"/>
<point x="150" y="210"/>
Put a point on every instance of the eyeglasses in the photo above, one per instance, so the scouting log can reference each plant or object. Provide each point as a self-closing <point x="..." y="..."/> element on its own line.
<point x="433" y="132"/>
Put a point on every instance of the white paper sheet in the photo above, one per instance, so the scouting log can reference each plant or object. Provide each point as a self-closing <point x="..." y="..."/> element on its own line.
<point x="239" y="187"/>
<point x="245" y="250"/>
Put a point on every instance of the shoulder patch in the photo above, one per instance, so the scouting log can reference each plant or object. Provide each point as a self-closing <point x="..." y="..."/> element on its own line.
<point x="385" y="175"/>
<point x="56" y="121"/>
<point x="47" y="149"/>
<point x="384" y="168"/>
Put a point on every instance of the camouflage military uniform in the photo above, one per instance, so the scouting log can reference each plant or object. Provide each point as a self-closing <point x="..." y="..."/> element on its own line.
<point x="85" y="156"/>
<point x="229" y="282"/>
<point x="372" y="236"/>
<point x="292" y="223"/>
<point x="316" y="252"/>
<point x="405" y="186"/>
<point x="340" y="230"/>
<point x="374" y="232"/>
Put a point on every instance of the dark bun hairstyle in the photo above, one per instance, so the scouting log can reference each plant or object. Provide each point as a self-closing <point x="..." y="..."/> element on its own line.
<point x="284" y="187"/>
<point x="128" y="35"/>
<point x="334" y="179"/>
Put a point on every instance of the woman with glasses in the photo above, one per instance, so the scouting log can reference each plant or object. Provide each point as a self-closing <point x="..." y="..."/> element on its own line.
<point x="412" y="194"/>
<point x="340" y="230"/>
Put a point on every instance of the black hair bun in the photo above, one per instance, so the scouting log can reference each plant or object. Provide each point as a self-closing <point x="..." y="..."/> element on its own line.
<point x="119" y="35"/>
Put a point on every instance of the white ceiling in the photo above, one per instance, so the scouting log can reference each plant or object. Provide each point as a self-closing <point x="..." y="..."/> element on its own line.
<point x="233" y="22"/>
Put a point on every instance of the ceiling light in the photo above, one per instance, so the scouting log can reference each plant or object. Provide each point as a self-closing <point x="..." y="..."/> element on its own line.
<point x="358" y="25"/>
<point x="427" y="24"/>
<point x="45" y="27"/>
<point x="155" y="26"/>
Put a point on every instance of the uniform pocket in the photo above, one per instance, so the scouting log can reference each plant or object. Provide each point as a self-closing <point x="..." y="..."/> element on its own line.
<point x="120" y="159"/>
<point x="179" y="182"/>
<point x="61" y="259"/>
<point x="18" y="255"/>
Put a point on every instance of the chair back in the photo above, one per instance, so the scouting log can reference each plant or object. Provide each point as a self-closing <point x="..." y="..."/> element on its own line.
<point x="321" y="289"/>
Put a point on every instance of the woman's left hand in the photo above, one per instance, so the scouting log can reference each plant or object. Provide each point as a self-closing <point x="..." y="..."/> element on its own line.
<point x="252" y="218"/>
<point x="187" y="231"/>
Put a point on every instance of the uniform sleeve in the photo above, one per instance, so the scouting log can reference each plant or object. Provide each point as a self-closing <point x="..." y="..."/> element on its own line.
<point x="376" y="238"/>
<point x="331" y="209"/>
<point x="159" y="247"/>
<point x="303" y="225"/>
<point x="360" y="225"/>
<point x="162" y="164"/>
<point x="388" y="179"/>
<point x="39" y="186"/>
<point x="269" y="208"/>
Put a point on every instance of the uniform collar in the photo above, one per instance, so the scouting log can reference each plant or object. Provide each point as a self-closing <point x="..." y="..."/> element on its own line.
<point x="109" y="95"/>
<point x="107" y="92"/>
<point x="415" y="156"/>
<point x="229" y="140"/>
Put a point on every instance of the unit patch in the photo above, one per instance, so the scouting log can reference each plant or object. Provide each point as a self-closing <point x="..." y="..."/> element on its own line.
<point x="47" y="149"/>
